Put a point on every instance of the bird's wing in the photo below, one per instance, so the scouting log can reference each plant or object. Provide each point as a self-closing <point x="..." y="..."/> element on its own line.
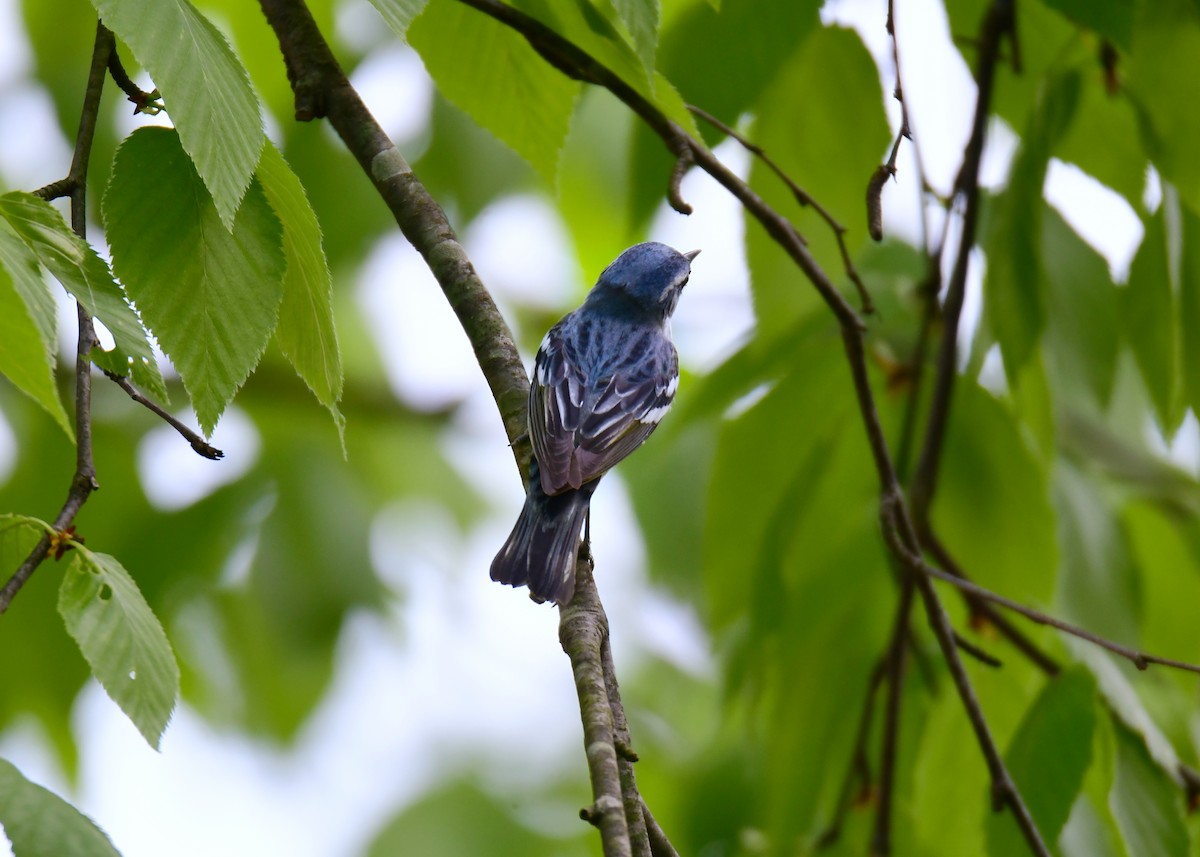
<point x="581" y="430"/>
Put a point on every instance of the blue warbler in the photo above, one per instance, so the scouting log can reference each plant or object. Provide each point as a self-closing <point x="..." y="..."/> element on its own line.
<point x="603" y="378"/>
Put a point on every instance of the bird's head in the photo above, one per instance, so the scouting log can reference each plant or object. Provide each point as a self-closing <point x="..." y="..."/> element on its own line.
<point x="652" y="274"/>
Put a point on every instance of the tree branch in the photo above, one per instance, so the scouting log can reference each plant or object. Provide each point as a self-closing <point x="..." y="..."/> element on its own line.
<point x="197" y="443"/>
<point x="83" y="483"/>
<point x="582" y="630"/>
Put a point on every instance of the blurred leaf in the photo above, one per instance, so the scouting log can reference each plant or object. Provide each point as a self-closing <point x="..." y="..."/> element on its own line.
<point x="830" y="88"/>
<point x="210" y="295"/>
<point x="39" y="823"/>
<point x="1082" y="325"/>
<point x="1162" y="74"/>
<point x="27" y="358"/>
<point x="1013" y="288"/>
<point x="399" y="14"/>
<point x="1047" y="759"/>
<point x="992" y="508"/>
<point x="1145" y="801"/>
<point x="528" y="107"/>
<point x="950" y="744"/>
<point x="1112" y="19"/>
<point x="1148" y="311"/>
<point x="1122" y="161"/>
<point x="1097" y="581"/>
<point x="86" y="276"/>
<point x="205" y="89"/>
<point x="121" y="639"/>
<point x="306" y="331"/>
<point x="1189" y="306"/>
<point x="434" y="827"/>
<point x="1091" y="831"/>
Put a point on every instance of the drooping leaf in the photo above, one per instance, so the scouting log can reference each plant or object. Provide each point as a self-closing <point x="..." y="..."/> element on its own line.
<point x="39" y="823"/>
<point x="121" y="639"/>
<point x="22" y="266"/>
<point x="306" y="331"/>
<point x="992" y="508"/>
<point x="1148" y="312"/>
<point x="829" y="87"/>
<point x="25" y="356"/>
<point x="1145" y="801"/>
<point x="1013" y="288"/>
<point x="1161" y="74"/>
<point x="528" y="106"/>
<point x="1082" y="323"/>
<point x="1047" y="759"/>
<point x="86" y="276"/>
<point x="204" y="87"/>
<point x="210" y="295"/>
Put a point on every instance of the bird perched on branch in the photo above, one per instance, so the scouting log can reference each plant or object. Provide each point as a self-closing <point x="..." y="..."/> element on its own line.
<point x="603" y="378"/>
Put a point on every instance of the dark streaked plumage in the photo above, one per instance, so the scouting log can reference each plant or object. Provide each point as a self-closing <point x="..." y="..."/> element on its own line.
<point x="603" y="378"/>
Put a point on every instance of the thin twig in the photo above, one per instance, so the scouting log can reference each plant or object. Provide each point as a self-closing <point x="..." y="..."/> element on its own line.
<point x="660" y="845"/>
<point x="194" y="440"/>
<point x="859" y="771"/>
<point x="802" y="197"/>
<point x="83" y="483"/>
<point x="976" y="652"/>
<point x="881" y="838"/>
<point x="142" y="101"/>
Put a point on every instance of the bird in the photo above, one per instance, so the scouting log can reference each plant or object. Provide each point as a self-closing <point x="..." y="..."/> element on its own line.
<point x="603" y="378"/>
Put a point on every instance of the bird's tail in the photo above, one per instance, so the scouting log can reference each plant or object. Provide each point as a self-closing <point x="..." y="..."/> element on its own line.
<point x="541" y="550"/>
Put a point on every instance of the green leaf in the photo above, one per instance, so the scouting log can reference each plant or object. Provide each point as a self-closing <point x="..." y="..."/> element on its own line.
<point x="1012" y="291"/>
<point x="1189" y="306"/>
<point x="86" y="276"/>
<point x="25" y="356"/>
<point x="22" y="265"/>
<point x="306" y="331"/>
<point x="39" y="823"/>
<point x="1162" y="76"/>
<point x="1145" y="801"/>
<point x="640" y="19"/>
<point x="1112" y="19"/>
<point x="399" y="14"/>
<point x="1047" y="759"/>
<point x="1148" y="311"/>
<point x="210" y="295"/>
<point x="1082" y="325"/>
<point x="992" y="507"/>
<point x="204" y="87"/>
<point x="528" y="106"/>
<point x="121" y="639"/>
<point x="830" y="88"/>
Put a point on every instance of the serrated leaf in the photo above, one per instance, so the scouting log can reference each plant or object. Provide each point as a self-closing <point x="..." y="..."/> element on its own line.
<point x="399" y="14"/>
<point x="528" y="106"/>
<point x="640" y="19"/>
<point x="39" y="823"/>
<point x="1148" y="314"/>
<point x="24" y="357"/>
<point x="121" y="639"/>
<point x="1047" y="759"/>
<point x="86" y="276"/>
<point x="210" y="295"/>
<point x="204" y="87"/>
<point x="1145" y="802"/>
<point x="306" y="331"/>
<point x="27" y="278"/>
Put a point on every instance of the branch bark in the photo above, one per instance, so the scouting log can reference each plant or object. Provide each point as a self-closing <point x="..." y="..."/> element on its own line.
<point x="83" y="483"/>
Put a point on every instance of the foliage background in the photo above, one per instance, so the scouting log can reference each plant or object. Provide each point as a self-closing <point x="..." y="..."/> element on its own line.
<point x="352" y="683"/>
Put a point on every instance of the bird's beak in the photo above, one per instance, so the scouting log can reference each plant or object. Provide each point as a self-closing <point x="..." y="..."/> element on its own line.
<point x="691" y="254"/>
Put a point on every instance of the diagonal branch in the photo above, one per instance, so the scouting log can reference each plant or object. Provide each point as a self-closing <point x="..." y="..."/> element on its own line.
<point x="83" y="483"/>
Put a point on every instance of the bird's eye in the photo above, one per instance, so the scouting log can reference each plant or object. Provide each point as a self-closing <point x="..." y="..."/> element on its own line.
<point x="685" y="282"/>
